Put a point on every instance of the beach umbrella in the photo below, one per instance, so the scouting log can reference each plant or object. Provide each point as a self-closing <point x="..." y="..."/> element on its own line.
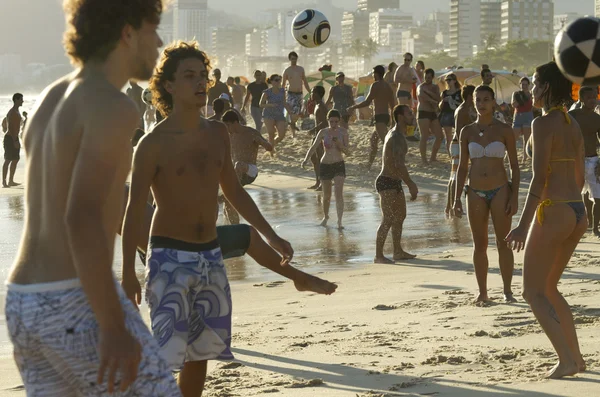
<point x="326" y="79"/>
<point x="364" y="82"/>
<point x="503" y="84"/>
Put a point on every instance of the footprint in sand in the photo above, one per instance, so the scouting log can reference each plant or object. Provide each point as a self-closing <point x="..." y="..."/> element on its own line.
<point x="306" y="383"/>
<point x="232" y="365"/>
<point x="274" y="284"/>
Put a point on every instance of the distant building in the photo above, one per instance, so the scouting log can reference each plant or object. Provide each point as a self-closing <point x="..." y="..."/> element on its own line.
<point x="374" y="5"/>
<point x="228" y="41"/>
<point x="491" y="21"/>
<point x="355" y="25"/>
<point x="418" y="41"/>
<point x="380" y="19"/>
<point x="465" y="27"/>
<point x="190" y="21"/>
<point x="284" y="23"/>
<point x="597" y="4"/>
<point x="562" y="20"/>
<point x="391" y="38"/>
<point x="166" y="29"/>
<point x="527" y="20"/>
<point x="254" y="43"/>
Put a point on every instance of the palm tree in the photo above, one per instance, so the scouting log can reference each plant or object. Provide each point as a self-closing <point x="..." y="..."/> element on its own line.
<point x="356" y="50"/>
<point x="491" y="41"/>
<point x="370" y="49"/>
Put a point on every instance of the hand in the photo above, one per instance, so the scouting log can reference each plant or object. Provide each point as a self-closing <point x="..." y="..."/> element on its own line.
<point x="457" y="209"/>
<point x="283" y="247"/>
<point x="119" y="351"/>
<point x="512" y="206"/>
<point x="516" y="238"/>
<point x="412" y="188"/>
<point x="132" y="288"/>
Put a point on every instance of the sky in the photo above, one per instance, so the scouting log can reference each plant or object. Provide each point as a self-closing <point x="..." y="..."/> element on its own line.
<point x="34" y="28"/>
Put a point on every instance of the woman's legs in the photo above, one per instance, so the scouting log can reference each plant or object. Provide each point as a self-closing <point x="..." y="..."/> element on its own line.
<point x="326" y="184"/>
<point x="424" y="126"/>
<point x="281" y="130"/>
<point x="339" y="198"/>
<point x="436" y="130"/>
<point x="448" y="134"/>
<point x="478" y="214"/>
<point x="526" y="135"/>
<point x="270" y="124"/>
<point x="388" y="204"/>
<point x="540" y="271"/>
<point x="502" y="226"/>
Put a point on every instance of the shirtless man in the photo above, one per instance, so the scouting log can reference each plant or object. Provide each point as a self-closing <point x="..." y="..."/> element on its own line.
<point x="237" y="92"/>
<point x="134" y="92"/>
<point x="12" y="145"/>
<point x="184" y="160"/>
<point x="404" y="78"/>
<point x="245" y="142"/>
<point x="589" y="122"/>
<point x="217" y="89"/>
<point x="220" y="106"/>
<point x="389" y="186"/>
<point x="73" y="329"/>
<point x="381" y="93"/>
<point x="295" y="78"/>
<point x="427" y="116"/>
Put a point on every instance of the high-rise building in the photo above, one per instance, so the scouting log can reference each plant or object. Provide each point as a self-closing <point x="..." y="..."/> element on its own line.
<point x="597" y="13"/>
<point x="380" y="19"/>
<point x="190" y="21"/>
<point x="561" y="20"/>
<point x="527" y="20"/>
<point x="491" y="22"/>
<point x="355" y="25"/>
<point x="254" y="43"/>
<point x="374" y="5"/>
<point x="228" y="41"/>
<point x="284" y="23"/>
<point x="465" y="27"/>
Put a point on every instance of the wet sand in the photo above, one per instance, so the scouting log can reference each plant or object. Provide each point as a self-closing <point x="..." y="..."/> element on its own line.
<point x="389" y="330"/>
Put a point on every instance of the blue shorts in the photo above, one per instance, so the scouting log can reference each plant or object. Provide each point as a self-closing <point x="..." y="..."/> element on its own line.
<point x="190" y="301"/>
<point x="523" y="120"/>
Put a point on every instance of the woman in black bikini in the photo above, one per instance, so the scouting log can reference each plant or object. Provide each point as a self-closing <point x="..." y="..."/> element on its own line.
<point x="333" y="169"/>
<point x="485" y="142"/>
<point x="554" y="206"/>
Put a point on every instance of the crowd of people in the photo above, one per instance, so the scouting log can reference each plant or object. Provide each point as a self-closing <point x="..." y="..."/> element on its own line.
<point x="76" y="331"/>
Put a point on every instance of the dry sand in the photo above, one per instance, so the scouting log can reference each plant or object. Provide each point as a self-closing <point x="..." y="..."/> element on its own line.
<point x="407" y="329"/>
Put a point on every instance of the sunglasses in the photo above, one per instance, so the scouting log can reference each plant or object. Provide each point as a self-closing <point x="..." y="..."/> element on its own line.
<point x="450" y="80"/>
<point x="407" y="60"/>
<point x="276" y="80"/>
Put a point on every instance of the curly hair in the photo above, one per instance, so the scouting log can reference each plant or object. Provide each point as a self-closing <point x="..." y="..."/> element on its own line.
<point x="94" y="27"/>
<point x="165" y="71"/>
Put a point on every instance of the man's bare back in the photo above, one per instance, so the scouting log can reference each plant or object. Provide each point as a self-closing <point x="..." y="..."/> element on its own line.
<point x="245" y="143"/>
<point x="429" y="97"/>
<point x="383" y="97"/>
<point x="395" y="148"/>
<point x="294" y="76"/>
<point x="589" y="122"/>
<point x="184" y="169"/>
<point x="405" y="78"/>
<point x="14" y="121"/>
<point x="60" y="154"/>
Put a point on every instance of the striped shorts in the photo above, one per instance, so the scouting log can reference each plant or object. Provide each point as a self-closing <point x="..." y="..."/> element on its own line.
<point x="55" y="337"/>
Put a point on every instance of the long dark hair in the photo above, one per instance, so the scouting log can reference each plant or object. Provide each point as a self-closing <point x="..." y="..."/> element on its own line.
<point x="559" y="88"/>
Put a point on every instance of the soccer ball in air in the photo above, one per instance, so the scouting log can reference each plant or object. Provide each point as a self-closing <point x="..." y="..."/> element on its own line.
<point x="147" y="96"/>
<point x="577" y="51"/>
<point x="311" y="28"/>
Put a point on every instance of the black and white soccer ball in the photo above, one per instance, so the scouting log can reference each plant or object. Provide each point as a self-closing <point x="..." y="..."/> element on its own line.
<point x="577" y="51"/>
<point x="311" y="28"/>
<point x="147" y="96"/>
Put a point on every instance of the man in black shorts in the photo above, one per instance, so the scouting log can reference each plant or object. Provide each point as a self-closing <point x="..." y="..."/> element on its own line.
<point x="382" y="95"/>
<point x="427" y="115"/>
<point x="389" y="186"/>
<point x="12" y="145"/>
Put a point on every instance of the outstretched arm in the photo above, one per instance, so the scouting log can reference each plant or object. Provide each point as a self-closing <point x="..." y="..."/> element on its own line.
<point x="366" y="102"/>
<point x="314" y="146"/>
<point x="258" y="138"/>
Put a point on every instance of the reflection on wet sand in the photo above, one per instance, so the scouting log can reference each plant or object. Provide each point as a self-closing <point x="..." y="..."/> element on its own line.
<point x="296" y="217"/>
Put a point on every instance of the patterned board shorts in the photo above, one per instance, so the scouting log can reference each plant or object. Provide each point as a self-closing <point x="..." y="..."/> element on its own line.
<point x="591" y="185"/>
<point x="55" y="337"/>
<point x="190" y="301"/>
<point x="295" y="100"/>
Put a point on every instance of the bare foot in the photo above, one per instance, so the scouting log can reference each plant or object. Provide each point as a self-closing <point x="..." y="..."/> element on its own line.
<point x="4" y="184"/>
<point x="560" y="370"/>
<point x="403" y="255"/>
<point x="340" y="227"/>
<point x="581" y="364"/>
<point x="433" y="160"/>
<point x="319" y="189"/>
<point x="324" y="222"/>
<point x="13" y="183"/>
<point x="481" y="298"/>
<point x="509" y="298"/>
<point x="313" y="187"/>
<point x="383" y="260"/>
<point x="315" y="284"/>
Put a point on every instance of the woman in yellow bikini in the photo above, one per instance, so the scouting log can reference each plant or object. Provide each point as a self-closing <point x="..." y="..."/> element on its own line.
<point x="489" y="192"/>
<point x="553" y="219"/>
